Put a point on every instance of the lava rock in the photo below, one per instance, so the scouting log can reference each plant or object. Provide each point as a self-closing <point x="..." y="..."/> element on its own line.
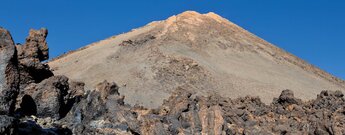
<point x="30" y="56"/>
<point x="9" y="77"/>
<point x="7" y="125"/>
<point x="287" y="97"/>
<point x="102" y="111"/>
<point x="46" y="99"/>
<point x="49" y="96"/>
<point x="36" y="45"/>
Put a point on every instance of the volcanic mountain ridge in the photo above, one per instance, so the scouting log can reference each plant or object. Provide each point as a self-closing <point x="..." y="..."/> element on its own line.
<point x="204" y="53"/>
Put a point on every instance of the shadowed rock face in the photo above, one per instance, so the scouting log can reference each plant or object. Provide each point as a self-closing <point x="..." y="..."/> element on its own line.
<point x="47" y="97"/>
<point x="28" y="87"/>
<point x="9" y="77"/>
<point x="21" y="65"/>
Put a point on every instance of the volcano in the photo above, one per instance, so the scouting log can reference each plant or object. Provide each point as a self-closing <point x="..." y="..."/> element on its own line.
<point x="203" y="53"/>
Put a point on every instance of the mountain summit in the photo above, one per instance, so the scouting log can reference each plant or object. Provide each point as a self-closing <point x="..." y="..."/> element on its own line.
<point x="203" y="53"/>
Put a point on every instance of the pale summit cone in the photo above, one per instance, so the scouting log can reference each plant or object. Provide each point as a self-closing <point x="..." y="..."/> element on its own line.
<point x="204" y="53"/>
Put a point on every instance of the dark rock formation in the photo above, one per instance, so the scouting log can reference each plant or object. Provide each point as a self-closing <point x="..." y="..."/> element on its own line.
<point x="21" y="79"/>
<point x="30" y="56"/>
<point x="35" y="48"/>
<point x="9" y="77"/>
<point x="102" y="111"/>
<point x="47" y="98"/>
<point x="53" y="97"/>
<point x="186" y="113"/>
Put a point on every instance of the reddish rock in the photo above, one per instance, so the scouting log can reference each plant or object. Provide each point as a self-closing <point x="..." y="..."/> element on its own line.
<point x="30" y="57"/>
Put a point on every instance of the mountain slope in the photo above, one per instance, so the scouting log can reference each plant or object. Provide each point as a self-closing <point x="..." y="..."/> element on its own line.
<point x="204" y="53"/>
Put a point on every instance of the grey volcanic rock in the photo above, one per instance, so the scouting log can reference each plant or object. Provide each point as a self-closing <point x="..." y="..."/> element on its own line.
<point x="187" y="113"/>
<point x="7" y="125"/>
<point x="102" y="112"/>
<point x="49" y="96"/>
<point x="9" y="77"/>
<point x="53" y="97"/>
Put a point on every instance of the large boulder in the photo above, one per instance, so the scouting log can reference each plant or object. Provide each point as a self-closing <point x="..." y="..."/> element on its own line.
<point x="45" y="99"/>
<point x="9" y="77"/>
<point x="287" y="97"/>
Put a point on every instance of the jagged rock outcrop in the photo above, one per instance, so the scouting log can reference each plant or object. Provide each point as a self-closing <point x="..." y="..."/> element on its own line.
<point x="26" y="89"/>
<point x="217" y="116"/>
<point x="35" y="48"/>
<point x="9" y="77"/>
<point x="102" y="111"/>
<point x="187" y="113"/>
<point x="30" y="57"/>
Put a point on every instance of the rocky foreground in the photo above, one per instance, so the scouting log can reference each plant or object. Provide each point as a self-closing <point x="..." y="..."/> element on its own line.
<point x="34" y="101"/>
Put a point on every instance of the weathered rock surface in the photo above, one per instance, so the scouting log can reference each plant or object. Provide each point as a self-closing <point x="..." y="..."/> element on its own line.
<point x="28" y="87"/>
<point x="7" y="124"/>
<point x="186" y="113"/>
<point x="102" y="112"/>
<point x="35" y="48"/>
<point x="30" y="56"/>
<point x="9" y="77"/>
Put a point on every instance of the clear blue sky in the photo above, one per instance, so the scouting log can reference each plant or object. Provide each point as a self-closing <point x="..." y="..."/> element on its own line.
<point x="313" y="30"/>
